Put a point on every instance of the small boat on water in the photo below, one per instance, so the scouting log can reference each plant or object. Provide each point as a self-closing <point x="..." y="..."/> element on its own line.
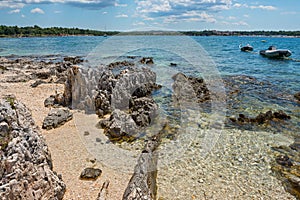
<point x="272" y="52"/>
<point x="248" y="47"/>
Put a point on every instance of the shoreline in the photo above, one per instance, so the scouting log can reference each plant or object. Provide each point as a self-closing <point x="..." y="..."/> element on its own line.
<point x="238" y="167"/>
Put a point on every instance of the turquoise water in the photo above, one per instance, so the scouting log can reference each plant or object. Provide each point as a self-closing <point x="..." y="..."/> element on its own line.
<point x="223" y="50"/>
<point x="276" y="80"/>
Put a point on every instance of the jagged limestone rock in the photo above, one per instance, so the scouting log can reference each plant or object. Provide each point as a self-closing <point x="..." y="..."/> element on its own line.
<point x="25" y="164"/>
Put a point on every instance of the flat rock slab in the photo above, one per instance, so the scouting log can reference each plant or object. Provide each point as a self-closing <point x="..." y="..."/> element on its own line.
<point x="57" y="117"/>
<point x="90" y="173"/>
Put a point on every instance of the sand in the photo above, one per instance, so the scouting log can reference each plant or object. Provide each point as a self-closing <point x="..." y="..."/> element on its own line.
<point x="68" y="152"/>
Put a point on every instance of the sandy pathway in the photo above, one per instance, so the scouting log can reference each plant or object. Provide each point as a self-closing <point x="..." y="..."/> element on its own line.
<point x="68" y="152"/>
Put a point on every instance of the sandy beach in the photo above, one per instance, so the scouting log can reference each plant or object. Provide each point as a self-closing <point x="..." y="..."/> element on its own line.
<point x="68" y="152"/>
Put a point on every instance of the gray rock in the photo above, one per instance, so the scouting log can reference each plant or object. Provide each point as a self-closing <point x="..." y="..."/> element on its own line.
<point x="25" y="164"/>
<point x="121" y="126"/>
<point x="90" y="173"/>
<point x="56" y="118"/>
<point x="143" y="111"/>
<point x="50" y="101"/>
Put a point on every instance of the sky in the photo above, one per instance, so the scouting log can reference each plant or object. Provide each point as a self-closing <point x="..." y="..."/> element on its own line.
<point x="178" y="15"/>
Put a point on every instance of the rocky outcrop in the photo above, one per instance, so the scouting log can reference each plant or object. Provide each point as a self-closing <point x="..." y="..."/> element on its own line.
<point x="262" y="117"/>
<point x="187" y="88"/>
<point x="25" y="164"/>
<point x="56" y="118"/>
<point x="127" y="97"/>
<point x="23" y="69"/>
<point x="142" y="184"/>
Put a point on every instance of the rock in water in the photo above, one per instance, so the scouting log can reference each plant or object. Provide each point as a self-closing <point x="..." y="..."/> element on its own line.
<point x="297" y="96"/>
<point x="90" y="173"/>
<point x="57" y="117"/>
<point x="25" y="161"/>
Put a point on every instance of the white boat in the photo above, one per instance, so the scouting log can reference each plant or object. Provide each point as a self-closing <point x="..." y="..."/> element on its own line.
<point x="272" y="52"/>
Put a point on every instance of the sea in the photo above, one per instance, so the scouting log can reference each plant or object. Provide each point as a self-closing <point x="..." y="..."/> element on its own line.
<point x="252" y="84"/>
<point x="220" y="53"/>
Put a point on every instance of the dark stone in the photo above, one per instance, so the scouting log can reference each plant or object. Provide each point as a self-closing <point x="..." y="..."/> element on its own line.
<point x="262" y="117"/>
<point x="146" y="90"/>
<point x="90" y="173"/>
<point x="37" y="83"/>
<point x="56" y="118"/>
<point x="173" y="64"/>
<point x="120" y="64"/>
<point x="147" y="60"/>
<point x="297" y="96"/>
<point x="143" y="111"/>
<point x="284" y="160"/>
<point x="73" y="60"/>
<point x="281" y="115"/>
<point x="49" y="102"/>
<point x="43" y="75"/>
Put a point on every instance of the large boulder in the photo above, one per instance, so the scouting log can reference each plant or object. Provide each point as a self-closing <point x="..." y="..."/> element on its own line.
<point x="25" y="164"/>
<point x="143" y="111"/>
<point x="121" y="127"/>
<point x="57" y="117"/>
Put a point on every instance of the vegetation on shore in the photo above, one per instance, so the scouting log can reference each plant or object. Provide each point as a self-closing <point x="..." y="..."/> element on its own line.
<point x="36" y="31"/>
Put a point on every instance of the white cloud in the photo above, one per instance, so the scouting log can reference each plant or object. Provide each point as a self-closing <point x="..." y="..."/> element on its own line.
<point x="23" y="16"/>
<point x="238" y="5"/>
<point x="122" y="16"/>
<point x="14" y="11"/>
<point x="247" y="16"/>
<point x="174" y="11"/>
<point x="11" y="4"/>
<point x="104" y="13"/>
<point x="240" y="23"/>
<point x="37" y="11"/>
<point x="289" y="13"/>
<point x="139" y="24"/>
<point x="263" y="7"/>
<point x="120" y="5"/>
<point x="57" y="12"/>
<point x="89" y="4"/>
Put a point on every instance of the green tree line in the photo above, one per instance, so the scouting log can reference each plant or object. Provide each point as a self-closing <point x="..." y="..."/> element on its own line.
<point x="36" y="31"/>
<point x="242" y="33"/>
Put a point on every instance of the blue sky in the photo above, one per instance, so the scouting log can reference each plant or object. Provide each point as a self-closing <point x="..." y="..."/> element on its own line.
<point x="154" y="14"/>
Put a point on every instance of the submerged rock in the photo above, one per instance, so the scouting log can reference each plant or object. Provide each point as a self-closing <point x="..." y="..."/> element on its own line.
<point x="297" y="96"/>
<point x="57" y="117"/>
<point x="25" y="162"/>
<point x="262" y="118"/>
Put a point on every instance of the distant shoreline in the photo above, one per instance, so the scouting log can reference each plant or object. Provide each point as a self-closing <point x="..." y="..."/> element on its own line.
<point x="36" y="31"/>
